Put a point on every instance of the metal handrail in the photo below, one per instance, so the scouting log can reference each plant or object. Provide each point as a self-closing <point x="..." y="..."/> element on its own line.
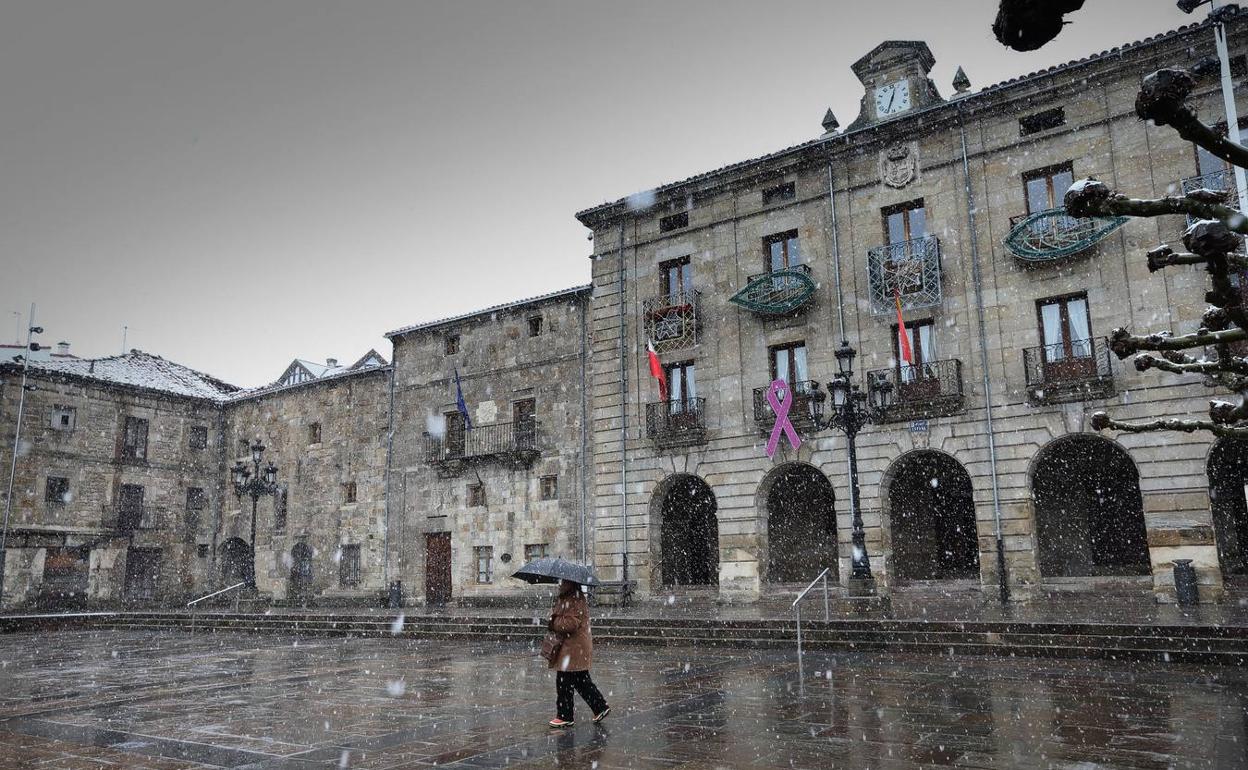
<point x="797" y="607"/>
<point x="216" y="593"/>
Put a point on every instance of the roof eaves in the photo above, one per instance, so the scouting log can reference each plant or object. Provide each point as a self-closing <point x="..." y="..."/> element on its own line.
<point x="492" y="309"/>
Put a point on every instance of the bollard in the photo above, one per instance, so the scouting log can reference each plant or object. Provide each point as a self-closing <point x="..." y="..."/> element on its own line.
<point x="395" y="597"/>
<point x="1186" y="591"/>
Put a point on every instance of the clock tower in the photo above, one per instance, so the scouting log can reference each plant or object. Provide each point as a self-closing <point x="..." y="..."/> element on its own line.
<point x="895" y="76"/>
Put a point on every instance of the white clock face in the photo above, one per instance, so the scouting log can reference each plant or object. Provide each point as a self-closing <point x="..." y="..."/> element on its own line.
<point x="892" y="98"/>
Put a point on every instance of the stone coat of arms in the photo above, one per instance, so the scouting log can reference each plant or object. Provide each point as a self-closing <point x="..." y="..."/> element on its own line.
<point x="899" y="164"/>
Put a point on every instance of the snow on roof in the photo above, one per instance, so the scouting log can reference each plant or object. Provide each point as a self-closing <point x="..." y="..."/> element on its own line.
<point x="606" y="209"/>
<point x="492" y="309"/>
<point x="141" y="370"/>
<point x="319" y="370"/>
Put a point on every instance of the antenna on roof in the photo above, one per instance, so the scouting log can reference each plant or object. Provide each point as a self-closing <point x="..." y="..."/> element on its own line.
<point x="125" y="331"/>
<point x="17" y="327"/>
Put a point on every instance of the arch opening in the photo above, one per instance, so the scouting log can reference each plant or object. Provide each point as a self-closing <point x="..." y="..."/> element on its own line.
<point x="235" y="561"/>
<point x="932" y="516"/>
<point x="801" y="523"/>
<point x="300" y="570"/>
<point x="1228" y="500"/>
<point x="688" y="532"/>
<point x="1089" y="510"/>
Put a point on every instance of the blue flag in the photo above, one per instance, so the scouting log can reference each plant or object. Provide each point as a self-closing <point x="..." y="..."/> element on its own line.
<point x="459" y="402"/>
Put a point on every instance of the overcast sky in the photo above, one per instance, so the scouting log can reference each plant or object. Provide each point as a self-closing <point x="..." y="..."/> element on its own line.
<point x="243" y="182"/>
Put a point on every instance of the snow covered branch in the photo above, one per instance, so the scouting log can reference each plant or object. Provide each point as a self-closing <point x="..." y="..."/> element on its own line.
<point x="1101" y="421"/>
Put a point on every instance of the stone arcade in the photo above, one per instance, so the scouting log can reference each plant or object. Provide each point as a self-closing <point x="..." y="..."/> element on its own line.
<point x="947" y="204"/>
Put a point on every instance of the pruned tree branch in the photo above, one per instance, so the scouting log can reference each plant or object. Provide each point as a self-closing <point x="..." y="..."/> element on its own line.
<point x="1124" y="344"/>
<point x="1163" y="100"/>
<point x="1101" y="421"/>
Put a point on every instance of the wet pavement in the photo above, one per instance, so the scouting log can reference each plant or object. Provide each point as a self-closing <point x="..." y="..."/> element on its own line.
<point x="131" y="699"/>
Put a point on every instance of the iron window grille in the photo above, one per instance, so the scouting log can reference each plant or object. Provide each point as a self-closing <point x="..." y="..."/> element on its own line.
<point x="910" y="270"/>
<point x="484" y="555"/>
<point x="349" y="566"/>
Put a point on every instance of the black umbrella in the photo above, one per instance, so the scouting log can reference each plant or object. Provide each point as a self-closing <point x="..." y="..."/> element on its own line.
<point x="551" y="569"/>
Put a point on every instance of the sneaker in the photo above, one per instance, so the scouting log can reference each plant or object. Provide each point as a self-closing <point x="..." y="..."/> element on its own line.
<point x="557" y="722"/>
<point x="599" y="717"/>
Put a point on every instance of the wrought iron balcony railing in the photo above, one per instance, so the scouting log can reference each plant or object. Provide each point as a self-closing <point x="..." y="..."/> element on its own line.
<point x="1045" y="236"/>
<point x="805" y="393"/>
<point x="127" y="520"/>
<point x="784" y="291"/>
<point x="1218" y="181"/>
<point x="677" y="423"/>
<point x="1075" y="370"/>
<point x="671" y="320"/>
<point x="929" y="389"/>
<point x="503" y="439"/>
<point x="910" y="270"/>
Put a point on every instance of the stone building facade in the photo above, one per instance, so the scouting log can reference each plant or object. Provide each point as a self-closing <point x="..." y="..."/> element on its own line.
<point x="760" y="269"/>
<point x="945" y="204"/>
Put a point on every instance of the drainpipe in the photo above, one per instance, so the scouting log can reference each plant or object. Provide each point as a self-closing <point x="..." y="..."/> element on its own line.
<point x="977" y="278"/>
<point x="584" y="426"/>
<point x="623" y="409"/>
<point x="385" y="534"/>
<point x="836" y="254"/>
<point x="17" y="440"/>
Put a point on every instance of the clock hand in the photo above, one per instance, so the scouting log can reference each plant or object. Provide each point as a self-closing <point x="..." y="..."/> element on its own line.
<point x="891" y="98"/>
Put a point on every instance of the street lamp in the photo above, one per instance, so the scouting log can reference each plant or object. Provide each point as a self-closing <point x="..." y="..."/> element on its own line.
<point x="255" y="484"/>
<point x="850" y="410"/>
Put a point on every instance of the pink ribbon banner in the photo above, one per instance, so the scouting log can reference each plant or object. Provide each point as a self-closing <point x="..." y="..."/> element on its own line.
<point x="780" y="407"/>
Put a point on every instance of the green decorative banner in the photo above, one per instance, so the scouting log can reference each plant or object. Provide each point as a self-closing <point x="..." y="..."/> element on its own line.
<point x="778" y="292"/>
<point x="1053" y="234"/>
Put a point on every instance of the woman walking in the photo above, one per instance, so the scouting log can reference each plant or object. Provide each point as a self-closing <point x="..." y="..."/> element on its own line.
<point x="569" y="622"/>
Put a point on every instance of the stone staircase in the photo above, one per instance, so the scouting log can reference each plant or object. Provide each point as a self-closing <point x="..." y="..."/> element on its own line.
<point x="1203" y="644"/>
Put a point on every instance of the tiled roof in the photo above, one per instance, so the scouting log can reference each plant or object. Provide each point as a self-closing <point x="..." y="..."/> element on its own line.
<point x="141" y="370"/>
<point x="493" y="309"/>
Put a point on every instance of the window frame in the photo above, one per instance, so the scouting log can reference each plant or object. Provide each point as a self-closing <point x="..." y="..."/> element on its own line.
<point x="451" y="344"/>
<point x="788" y="259"/>
<point x="779" y="193"/>
<point x="281" y="509"/>
<point x="478" y="552"/>
<point x="1046" y="173"/>
<point x="906" y="209"/>
<point x="1039" y="122"/>
<point x="548" y="487"/>
<point x="684" y="367"/>
<point x="61" y="412"/>
<point x="682" y="267"/>
<point x="62" y="482"/>
<point x="474" y="495"/>
<point x="1068" y="341"/>
<point x="198" y="437"/>
<point x="350" y="493"/>
<point x="535" y="551"/>
<point x="788" y="348"/>
<point x="131" y="447"/>
<point x="349" y="565"/>
<point x="536" y="325"/>
<point x="676" y="221"/>
<point x="314" y="433"/>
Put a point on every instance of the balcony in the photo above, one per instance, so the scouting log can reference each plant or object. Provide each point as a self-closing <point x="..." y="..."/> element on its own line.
<point x="1074" y="371"/>
<point x="672" y="320"/>
<point x="931" y="389"/>
<point x="1049" y="235"/>
<point x="1219" y="181"/>
<point x="505" y="441"/>
<point x="676" y="423"/>
<point x="909" y="270"/>
<point x="783" y="292"/>
<point x="127" y="520"/>
<point x="805" y="394"/>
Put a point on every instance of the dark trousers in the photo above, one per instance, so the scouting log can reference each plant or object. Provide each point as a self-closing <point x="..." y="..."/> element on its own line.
<point x="569" y="682"/>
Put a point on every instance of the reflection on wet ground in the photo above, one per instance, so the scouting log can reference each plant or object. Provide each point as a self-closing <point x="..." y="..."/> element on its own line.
<point x="145" y="700"/>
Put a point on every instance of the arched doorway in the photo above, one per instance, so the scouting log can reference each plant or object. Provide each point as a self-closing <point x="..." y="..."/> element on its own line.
<point x="801" y="523"/>
<point x="1228" y="486"/>
<point x="1089" y="511"/>
<point x="235" y="561"/>
<point x="300" y="571"/>
<point x="931" y="508"/>
<point x="688" y="532"/>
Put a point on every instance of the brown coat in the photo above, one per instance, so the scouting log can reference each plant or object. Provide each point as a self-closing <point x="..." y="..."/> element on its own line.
<point x="569" y="618"/>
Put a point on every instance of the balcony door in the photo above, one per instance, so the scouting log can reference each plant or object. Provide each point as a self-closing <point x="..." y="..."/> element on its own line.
<point x="919" y="379"/>
<point x="903" y="265"/>
<point x="676" y="279"/>
<point x="455" y="434"/>
<point x="682" y="395"/>
<point x="1045" y="188"/>
<point x="1066" y="334"/>
<point x="130" y="507"/>
<point x="781" y="251"/>
<point x="524" y="417"/>
<point x="788" y="363"/>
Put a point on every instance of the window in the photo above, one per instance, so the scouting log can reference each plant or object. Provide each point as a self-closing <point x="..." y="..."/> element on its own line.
<point x="1041" y="121"/>
<point x="535" y="326"/>
<point x="905" y="222"/>
<point x="1045" y="187"/>
<point x="484" y="556"/>
<point x="922" y="338"/>
<point x="476" y="495"/>
<point x="535" y="551"/>
<point x="314" y="433"/>
<point x="348" y="492"/>
<point x="134" y="445"/>
<point x="1208" y="164"/>
<point x="788" y="363"/>
<point x="781" y="251"/>
<point x="781" y="192"/>
<point x="674" y="222"/>
<point x="455" y="433"/>
<point x="550" y="487"/>
<point x="279" y="510"/>
<point x="349" y="566"/>
<point x="196" y="502"/>
<point x="202" y="551"/>
<point x="675" y="277"/>
<point x="63" y="418"/>
<point x="452" y="344"/>
<point x="682" y="384"/>
<point x="199" y="437"/>
<point x="524" y="419"/>
<point x="130" y="507"/>
<point x="1064" y="327"/>
<point x="57" y="490"/>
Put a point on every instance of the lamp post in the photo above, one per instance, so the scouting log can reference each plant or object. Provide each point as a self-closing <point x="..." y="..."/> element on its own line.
<point x="850" y="410"/>
<point x="255" y="484"/>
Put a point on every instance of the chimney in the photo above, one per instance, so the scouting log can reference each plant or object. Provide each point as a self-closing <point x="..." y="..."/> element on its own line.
<point x="62" y="349"/>
<point x="331" y="362"/>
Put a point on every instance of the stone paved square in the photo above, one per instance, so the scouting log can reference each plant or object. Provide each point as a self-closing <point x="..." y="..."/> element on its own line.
<point x="132" y="699"/>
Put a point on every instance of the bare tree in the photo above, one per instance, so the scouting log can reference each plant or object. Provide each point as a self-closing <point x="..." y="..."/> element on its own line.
<point x="1026" y="25"/>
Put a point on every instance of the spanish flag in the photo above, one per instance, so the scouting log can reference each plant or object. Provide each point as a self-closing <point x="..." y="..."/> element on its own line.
<point x="903" y="339"/>
<point x="656" y="370"/>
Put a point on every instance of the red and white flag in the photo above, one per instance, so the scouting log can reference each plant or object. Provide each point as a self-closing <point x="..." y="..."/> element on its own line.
<point x="656" y="370"/>
<point x="903" y="338"/>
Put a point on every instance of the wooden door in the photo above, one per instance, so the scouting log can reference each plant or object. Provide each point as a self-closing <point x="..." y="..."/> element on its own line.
<point x="130" y="507"/>
<point x="437" y="568"/>
<point x="524" y="416"/>
<point x="142" y="573"/>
